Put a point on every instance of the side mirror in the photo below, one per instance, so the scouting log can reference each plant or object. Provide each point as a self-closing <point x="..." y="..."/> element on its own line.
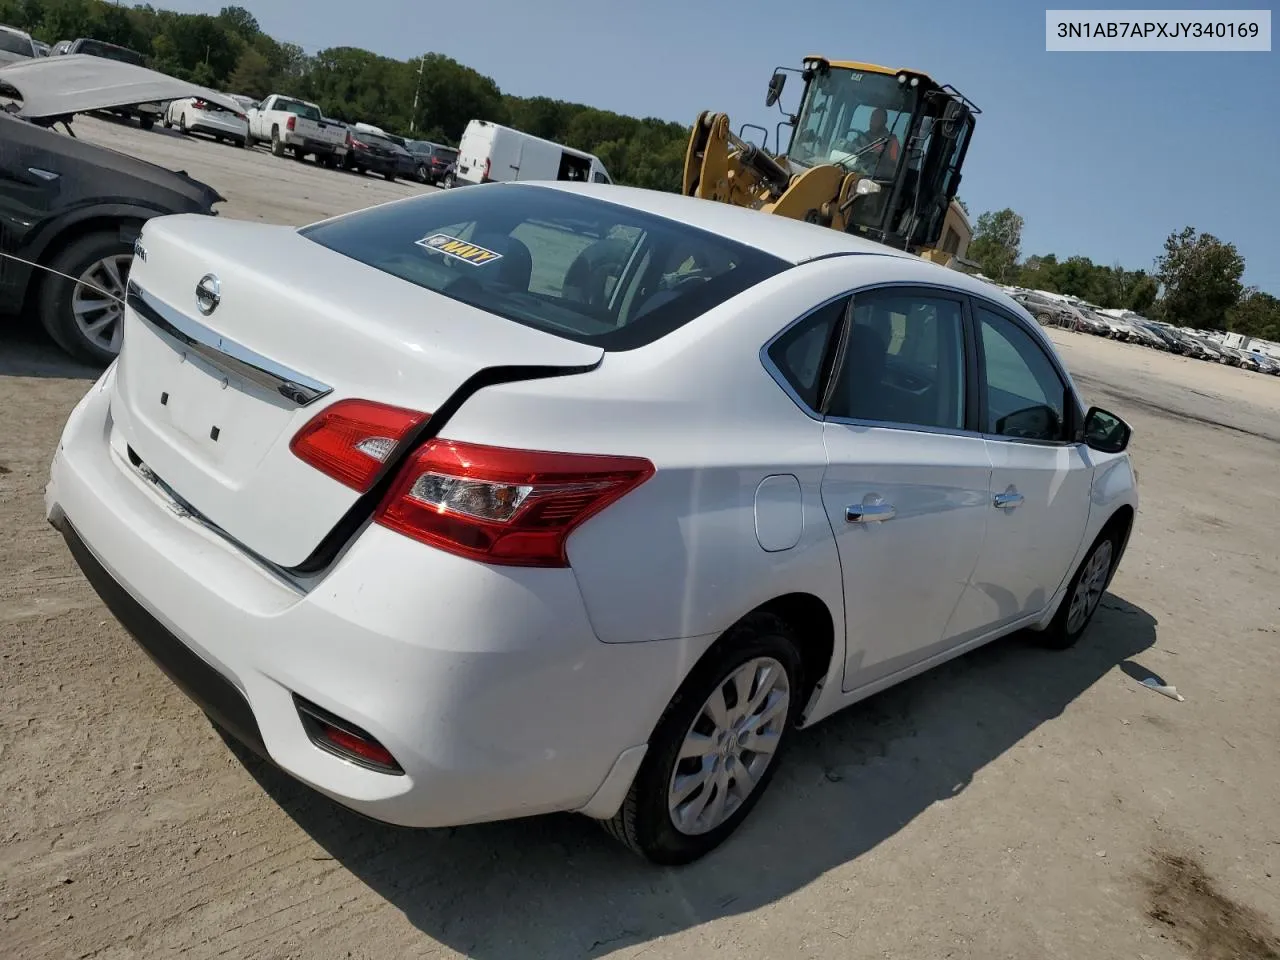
<point x="954" y="117"/>
<point x="1105" y="432"/>
<point x="776" y="83"/>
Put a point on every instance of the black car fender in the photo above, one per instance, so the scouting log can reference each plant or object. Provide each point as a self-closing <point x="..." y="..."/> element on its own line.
<point x="59" y="231"/>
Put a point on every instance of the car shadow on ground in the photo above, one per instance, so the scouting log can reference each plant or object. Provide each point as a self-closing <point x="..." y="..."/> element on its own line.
<point x="27" y="351"/>
<point x="558" y="886"/>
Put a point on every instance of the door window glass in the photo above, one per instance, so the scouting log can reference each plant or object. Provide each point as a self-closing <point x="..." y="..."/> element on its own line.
<point x="904" y="363"/>
<point x="1025" y="396"/>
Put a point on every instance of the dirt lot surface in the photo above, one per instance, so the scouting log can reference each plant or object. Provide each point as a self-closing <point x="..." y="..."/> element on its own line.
<point x="1012" y="804"/>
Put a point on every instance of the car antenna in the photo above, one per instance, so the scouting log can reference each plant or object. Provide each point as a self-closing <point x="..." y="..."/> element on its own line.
<point x="58" y="273"/>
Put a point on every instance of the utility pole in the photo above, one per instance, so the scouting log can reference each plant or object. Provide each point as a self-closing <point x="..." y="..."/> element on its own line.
<point x="422" y="62"/>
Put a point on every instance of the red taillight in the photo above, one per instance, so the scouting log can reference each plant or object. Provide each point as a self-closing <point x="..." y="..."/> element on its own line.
<point x="486" y="168"/>
<point x="349" y="141"/>
<point x="504" y="506"/>
<point x="199" y="104"/>
<point x="359" y="144"/>
<point x="351" y="440"/>
<point x="291" y="123"/>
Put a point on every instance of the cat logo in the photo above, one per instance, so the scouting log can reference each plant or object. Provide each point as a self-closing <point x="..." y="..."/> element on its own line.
<point x="458" y="249"/>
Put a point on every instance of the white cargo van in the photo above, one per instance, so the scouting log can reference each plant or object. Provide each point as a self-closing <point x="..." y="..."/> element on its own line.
<point x="492" y="153"/>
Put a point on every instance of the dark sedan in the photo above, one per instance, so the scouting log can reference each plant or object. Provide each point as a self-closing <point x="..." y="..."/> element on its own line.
<point x="75" y="208"/>
<point x="380" y="154"/>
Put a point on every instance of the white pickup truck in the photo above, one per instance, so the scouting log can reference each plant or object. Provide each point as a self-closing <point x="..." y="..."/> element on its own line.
<point x="291" y="124"/>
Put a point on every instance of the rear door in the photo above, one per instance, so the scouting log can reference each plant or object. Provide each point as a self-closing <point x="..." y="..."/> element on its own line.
<point x="907" y="485"/>
<point x="1041" y="479"/>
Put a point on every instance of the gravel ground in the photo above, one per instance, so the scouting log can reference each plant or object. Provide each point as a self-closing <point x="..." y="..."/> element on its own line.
<point x="1014" y="803"/>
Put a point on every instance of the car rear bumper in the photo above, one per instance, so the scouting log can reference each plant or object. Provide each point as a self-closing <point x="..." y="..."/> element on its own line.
<point x="203" y="124"/>
<point x="487" y="685"/>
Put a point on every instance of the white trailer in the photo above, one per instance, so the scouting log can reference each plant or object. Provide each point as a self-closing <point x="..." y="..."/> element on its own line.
<point x="492" y="153"/>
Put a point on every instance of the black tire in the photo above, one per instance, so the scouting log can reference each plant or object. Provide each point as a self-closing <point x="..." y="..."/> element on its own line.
<point x="299" y="154"/>
<point x="182" y="124"/>
<point x="1059" y="635"/>
<point x="644" y="822"/>
<point x="448" y="181"/>
<point x="55" y="292"/>
<point x="146" y="123"/>
<point x="277" y="145"/>
<point x="390" y="177"/>
<point x="424" y="175"/>
<point x="168" y="124"/>
<point x="243" y="144"/>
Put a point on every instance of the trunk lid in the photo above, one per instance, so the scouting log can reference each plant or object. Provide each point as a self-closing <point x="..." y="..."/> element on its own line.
<point x="210" y="402"/>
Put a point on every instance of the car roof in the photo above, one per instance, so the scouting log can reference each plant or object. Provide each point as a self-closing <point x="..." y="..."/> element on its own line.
<point x="15" y="31"/>
<point x="783" y="237"/>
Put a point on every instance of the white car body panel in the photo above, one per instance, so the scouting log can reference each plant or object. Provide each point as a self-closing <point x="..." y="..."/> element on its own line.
<point x="506" y="691"/>
<point x="514" y="155"/>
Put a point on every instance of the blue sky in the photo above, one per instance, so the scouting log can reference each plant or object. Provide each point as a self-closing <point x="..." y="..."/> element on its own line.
<point x="1103" y="154"/>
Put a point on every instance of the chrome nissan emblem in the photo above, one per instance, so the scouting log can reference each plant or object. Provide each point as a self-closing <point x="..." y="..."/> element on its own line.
<point x="208" y="294"/>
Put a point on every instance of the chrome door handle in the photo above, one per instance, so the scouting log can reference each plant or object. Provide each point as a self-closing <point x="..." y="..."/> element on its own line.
<point x="869" y="512"/>
<point x="1005" y="501"/>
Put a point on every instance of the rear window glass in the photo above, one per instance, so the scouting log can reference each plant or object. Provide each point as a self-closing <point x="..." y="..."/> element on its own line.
<point x="297" y="108"/>
<point x="108" y="51"/>
<point x="575" y="266"/>
<point x="12" y="43"/>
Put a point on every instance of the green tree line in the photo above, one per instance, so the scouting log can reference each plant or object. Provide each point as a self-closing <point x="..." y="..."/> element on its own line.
<point x="230" y="52"/>
<point x="1195" y="282"/>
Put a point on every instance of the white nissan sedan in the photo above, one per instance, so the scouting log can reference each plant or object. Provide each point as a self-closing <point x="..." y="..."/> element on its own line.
<point x="548" y="497"/>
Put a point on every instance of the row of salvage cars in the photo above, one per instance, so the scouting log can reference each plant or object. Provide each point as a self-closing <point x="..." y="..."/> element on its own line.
<point x="1057" y="310"/>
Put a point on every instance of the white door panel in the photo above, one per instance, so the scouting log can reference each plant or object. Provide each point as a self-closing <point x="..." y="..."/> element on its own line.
<point x="1032" y="541"/>
<point x="905" y="575"/>
<point x="1040" y="483"/>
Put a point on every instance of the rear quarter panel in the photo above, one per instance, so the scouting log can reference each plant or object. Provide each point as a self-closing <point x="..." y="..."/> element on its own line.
<point x="679" y="556"/>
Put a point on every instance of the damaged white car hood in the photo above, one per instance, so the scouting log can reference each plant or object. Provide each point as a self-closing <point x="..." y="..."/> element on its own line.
<point x="77" y="83"/>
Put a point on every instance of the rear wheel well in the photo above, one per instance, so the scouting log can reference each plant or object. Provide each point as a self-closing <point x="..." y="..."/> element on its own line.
<point x="69" y="235"/>
<point x="811" y="620"/>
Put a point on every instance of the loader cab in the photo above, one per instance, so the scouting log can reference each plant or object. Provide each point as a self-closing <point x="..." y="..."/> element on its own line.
<point x="898" y="128"/>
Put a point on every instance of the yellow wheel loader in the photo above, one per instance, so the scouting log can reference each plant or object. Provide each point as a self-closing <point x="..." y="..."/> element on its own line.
<point x="873" y="151"/>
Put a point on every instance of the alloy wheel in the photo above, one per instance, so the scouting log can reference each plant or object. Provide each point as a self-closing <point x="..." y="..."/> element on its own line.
<point x="729" y="745"/>
<point x="1089" y="587"/>
<point x="98" y="317"/>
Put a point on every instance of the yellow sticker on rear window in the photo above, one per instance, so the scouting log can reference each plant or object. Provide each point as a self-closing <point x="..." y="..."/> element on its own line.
<point x="458" y="249"/>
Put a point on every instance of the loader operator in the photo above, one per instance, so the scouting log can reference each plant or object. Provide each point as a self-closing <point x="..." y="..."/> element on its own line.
<point x="886" y="152"/>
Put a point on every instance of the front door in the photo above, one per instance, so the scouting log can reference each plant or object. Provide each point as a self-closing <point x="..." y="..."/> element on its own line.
<point x="1040" y="479"/>
<point x="907" y="485"/>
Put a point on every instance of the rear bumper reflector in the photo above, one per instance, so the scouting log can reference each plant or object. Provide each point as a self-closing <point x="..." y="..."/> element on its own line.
<point x="344" y="739"/>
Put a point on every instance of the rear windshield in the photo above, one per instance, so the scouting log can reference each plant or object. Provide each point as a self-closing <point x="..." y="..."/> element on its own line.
<point x="446" y="153"/>
<point x="12" y="43"/>
<point x="109" y="51"/>
<point x="575" y="266"/>
<point x="298" y="109"/>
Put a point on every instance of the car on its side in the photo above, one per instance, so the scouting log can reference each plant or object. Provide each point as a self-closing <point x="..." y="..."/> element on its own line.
<point x="532" y="497"/>
<point x="70" y="210"/>
<point x="146" y="112"/>
<point x="197" y="115"/>
<point x="16" y="45"/>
